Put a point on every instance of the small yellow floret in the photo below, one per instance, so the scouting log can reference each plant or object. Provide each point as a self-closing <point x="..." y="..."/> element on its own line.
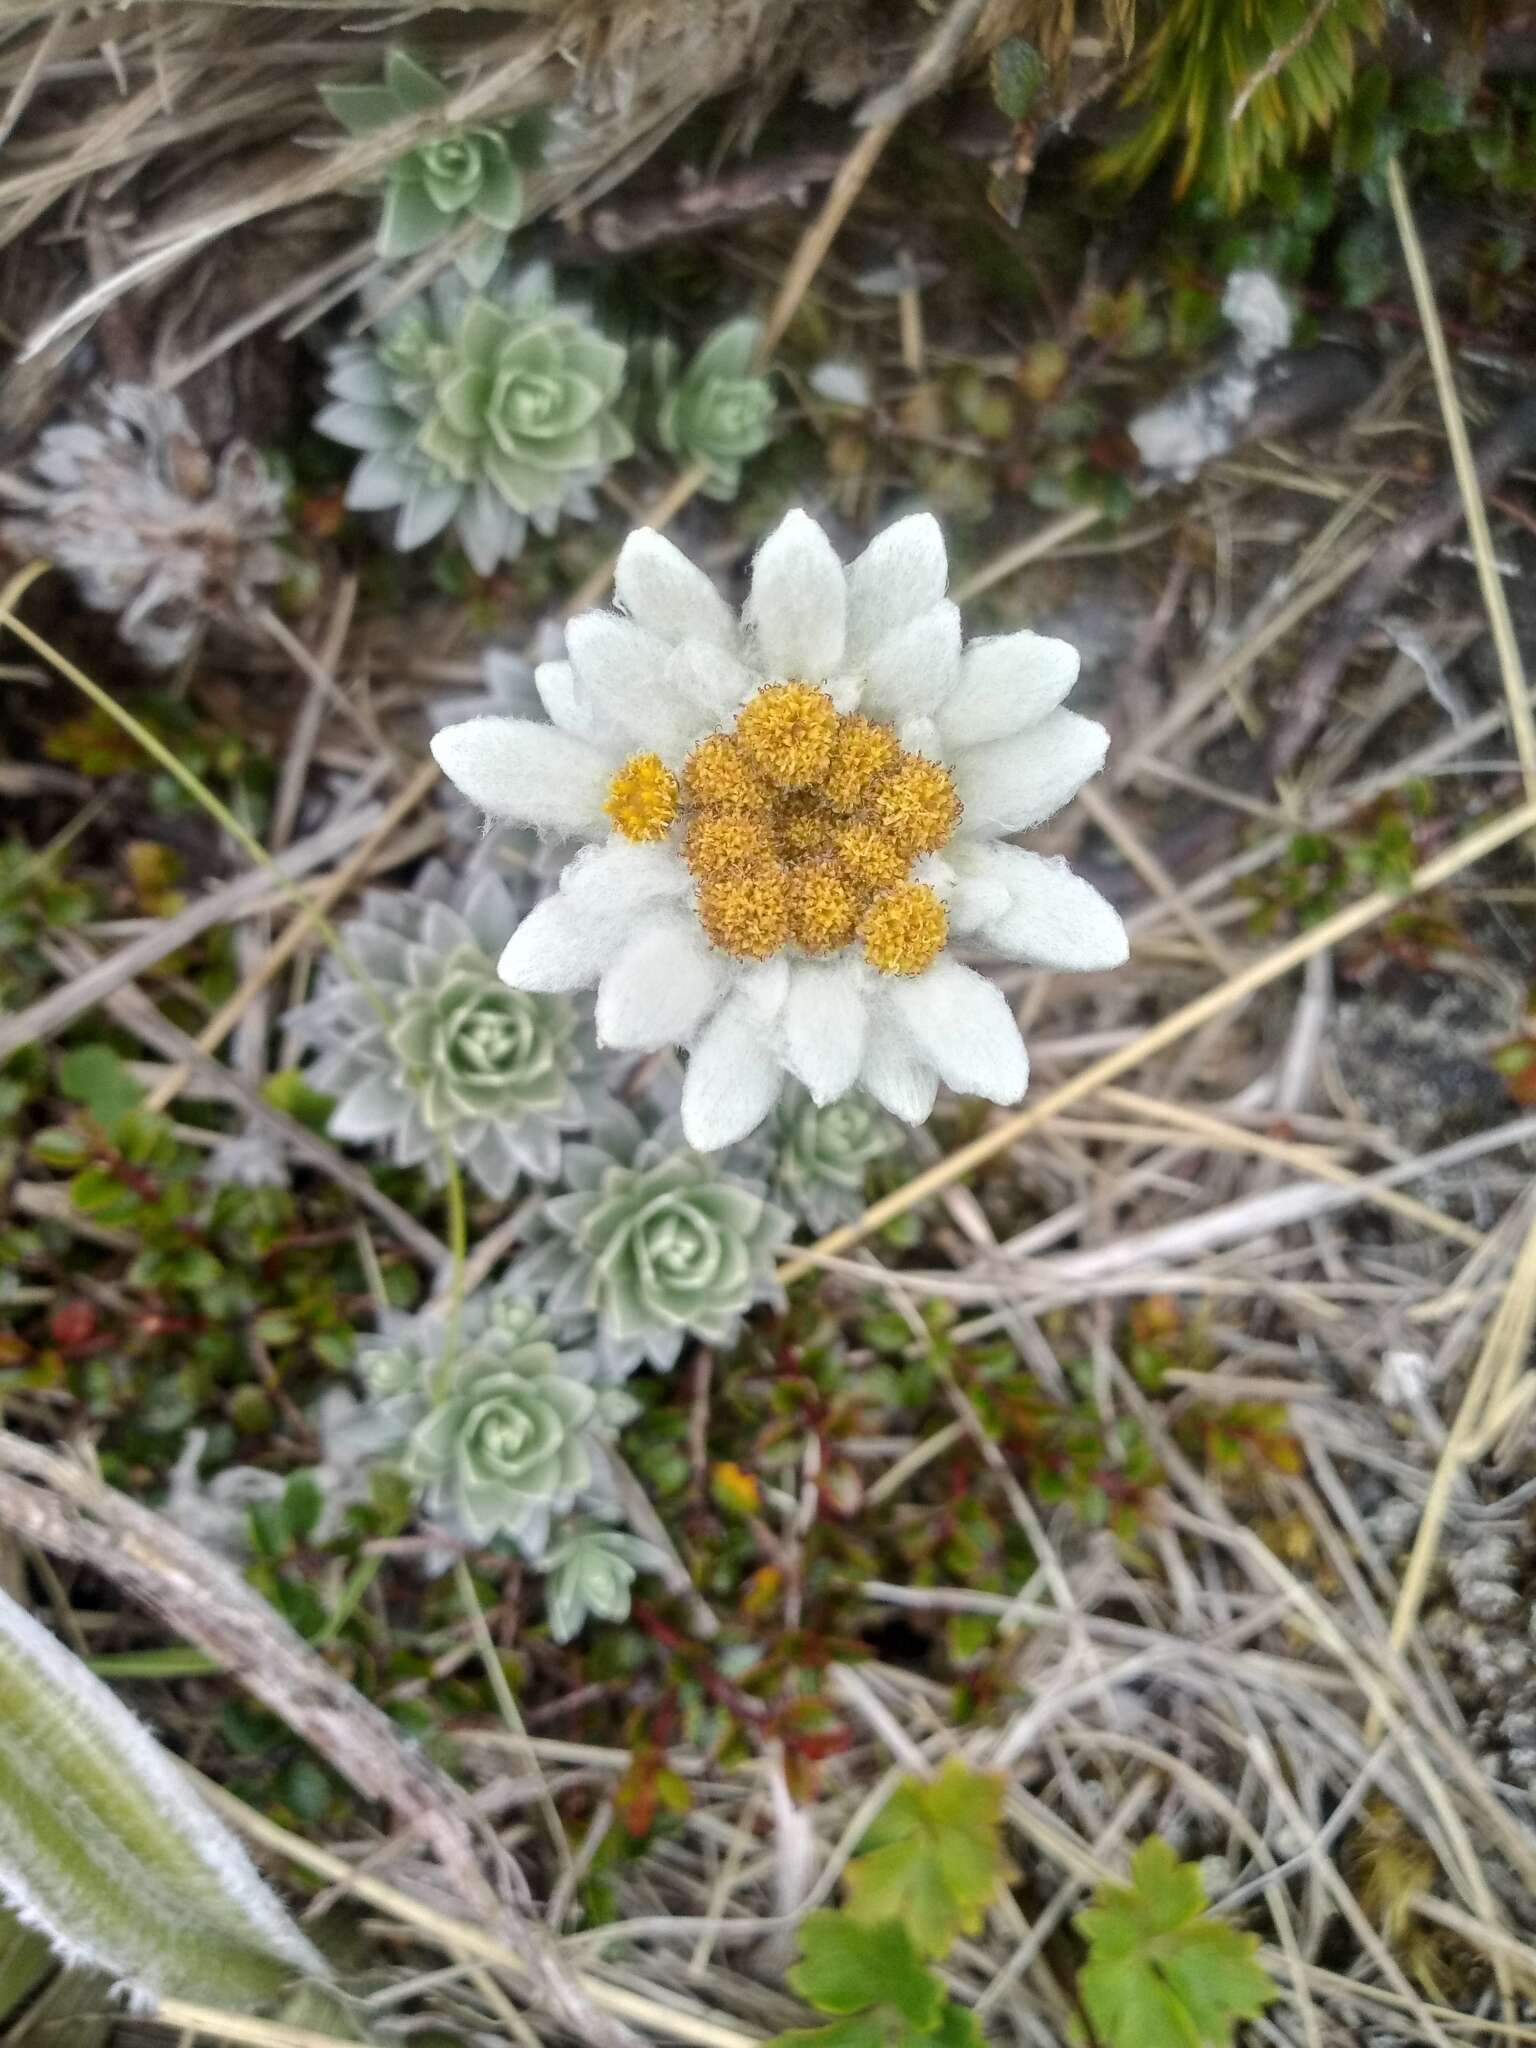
<point x="721" y="840"/>
<point x="788" y="728"/>
<point x="863" y="751"/>
<point x="916" y="805"/>
<point x="823" y="910"/>
<point x="904" y="929"/>
<point x="869" y="860"/>
<point x="717" y="775"/>
<point x="804" y="827"/>
<point x="643" y="798"/>
<point x="746" y="912"/>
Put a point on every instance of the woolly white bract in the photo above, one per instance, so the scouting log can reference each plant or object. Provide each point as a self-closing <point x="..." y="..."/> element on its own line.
<point x="105" y="1847"/>
<point x="791" y="817"/>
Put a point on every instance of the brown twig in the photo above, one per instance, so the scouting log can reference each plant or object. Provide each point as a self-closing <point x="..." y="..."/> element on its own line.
<point x="1398" y="555"/>
<point x="625" y="227"/>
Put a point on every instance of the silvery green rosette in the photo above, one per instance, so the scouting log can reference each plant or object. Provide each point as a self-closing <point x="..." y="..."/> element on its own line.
<point x="819" y="1157"/>
<point x="658" y="1243"/>
<point x="501" y="1429"/>
<point x="490" y="411"/>
<point x="472" y="174"/>
<point x="588" y="1574"/>
<point x="435" y="1052"/>
<point x="719" y="410"/>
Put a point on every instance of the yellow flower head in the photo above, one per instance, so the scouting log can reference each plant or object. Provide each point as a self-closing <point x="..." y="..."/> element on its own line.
<point x="643" y="798"/>
<point x="904" y="929"/>
<point x="789" y="730"/>
<point x="746" y="912"/>
<point x="800" y="827"/>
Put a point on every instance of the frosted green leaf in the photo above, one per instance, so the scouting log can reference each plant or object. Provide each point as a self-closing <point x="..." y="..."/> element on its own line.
<point x="470" y="173"/>
<point x="656" y="1242"/>
<point x="588" y="1574"/>
<point x="411" y="85"/>
<point x="493" y="409"/>
<point x="107" y="1850"/>
<point x="436" y="1053"/>
<point x="409" y="222"/>
<point x="719" y="411"/>
<point x="361" y="108"/>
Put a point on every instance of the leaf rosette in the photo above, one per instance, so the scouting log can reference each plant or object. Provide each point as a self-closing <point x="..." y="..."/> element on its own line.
<point x="472" y="175"/>
<point x="823" y="1153"/>
<point x="503" y="1430"/>
<point x="490" y="411"/>
<point x="657" y="1242"/>
<point x="430" y="1052"/>
<point x="719" y="410"/>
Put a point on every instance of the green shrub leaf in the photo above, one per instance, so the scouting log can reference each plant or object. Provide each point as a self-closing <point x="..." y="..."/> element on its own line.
<point x="95" y="1077"/>
<point x="1018" y="74"/>
<point x="1160" y="1973"/>
<point x="848" y="1967"/>
<point x="878" y="1987"/>
<point x="933" y="1859"/>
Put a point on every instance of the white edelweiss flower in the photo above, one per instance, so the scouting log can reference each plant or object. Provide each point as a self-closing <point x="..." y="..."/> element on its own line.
<point x="789" y="817"/>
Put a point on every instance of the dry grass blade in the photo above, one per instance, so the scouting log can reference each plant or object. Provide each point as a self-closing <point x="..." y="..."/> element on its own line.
<point x="1482" y="1412"/>
<point x="1511" y="668"/>
<point x="1201" y="1123"/>
<point x="309" y="918"/>
<point x="208" y="2023"/>
<point x="463" y="1937"/>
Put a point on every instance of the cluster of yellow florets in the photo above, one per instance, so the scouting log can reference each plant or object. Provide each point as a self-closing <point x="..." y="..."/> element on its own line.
<point x="643" y="798"/>
<point x="801" y="827"/>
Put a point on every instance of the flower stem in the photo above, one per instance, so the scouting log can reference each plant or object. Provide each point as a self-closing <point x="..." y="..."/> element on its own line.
<point x="152" y="745"/>
<point x="458" y="1246"/>
<point x="496" y="1675"/>
<point x="359" y="1579"/>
